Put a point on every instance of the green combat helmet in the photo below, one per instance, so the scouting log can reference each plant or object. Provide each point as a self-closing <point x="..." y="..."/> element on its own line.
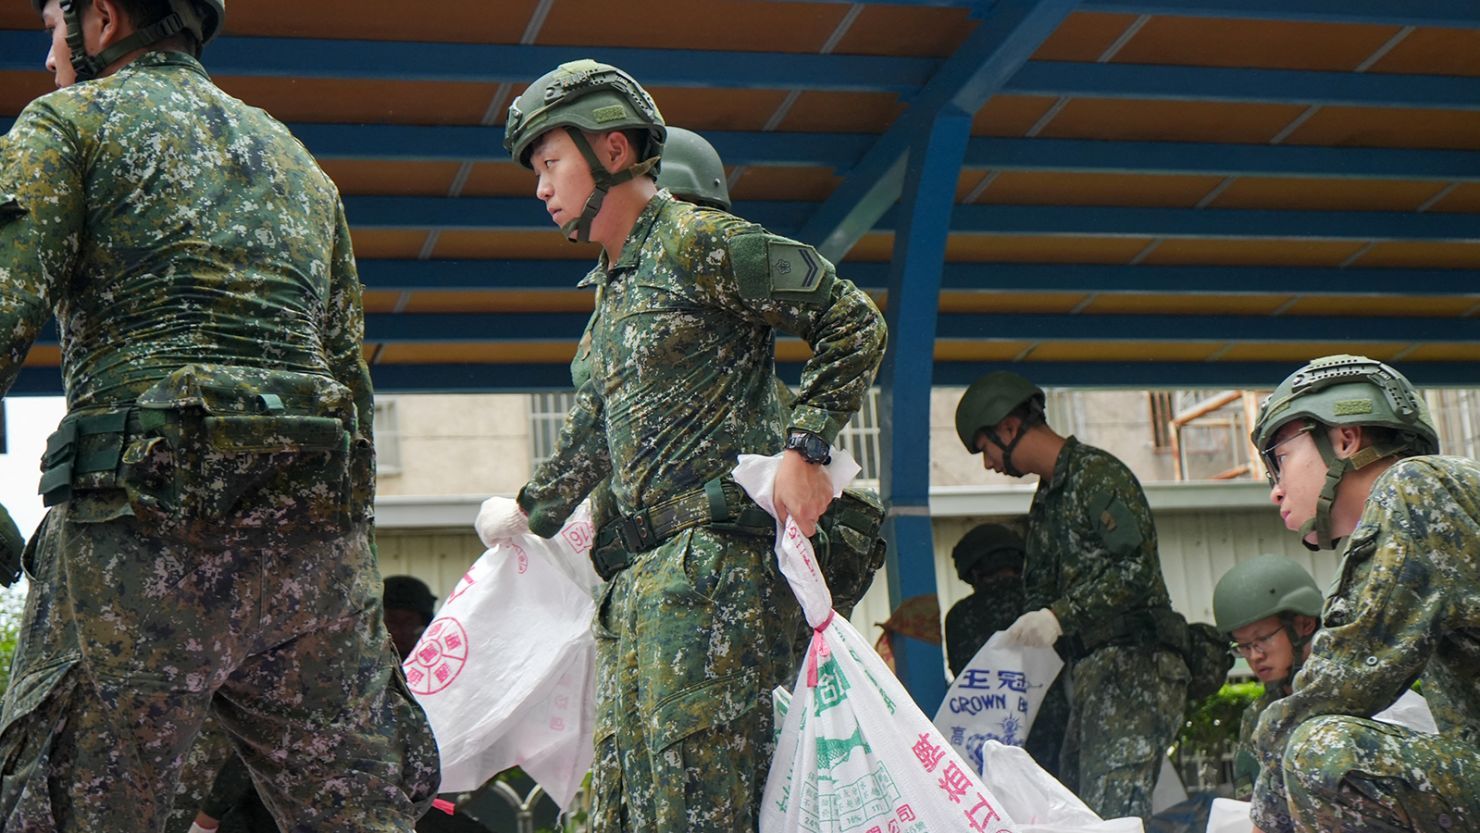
<point x="988" y="401"/>
<point x="201" y="18"/>
<point x="988" y="546"/>
<point x="588" y="96"/>
<point x="1344" y="390"/>
<point x="693" y="171"/>
<point x="1265" y="586"/>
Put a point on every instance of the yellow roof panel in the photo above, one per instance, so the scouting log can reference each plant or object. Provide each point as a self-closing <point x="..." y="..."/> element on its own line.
<point x="1263" y="44"/>
<point x="1171" y="121"/>
<point x="1195" y="252"/>
<point x="1053" y="188"/>
<point x="1327" y="194"/>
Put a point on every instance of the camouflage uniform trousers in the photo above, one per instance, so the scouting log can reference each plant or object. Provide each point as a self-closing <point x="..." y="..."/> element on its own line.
<point x="690" y="641"/>
<point x="1351" y="775"/>
<point x="1127" y="705"/>
<point x="130" y="638"/>
<point x="1046" y="738"/>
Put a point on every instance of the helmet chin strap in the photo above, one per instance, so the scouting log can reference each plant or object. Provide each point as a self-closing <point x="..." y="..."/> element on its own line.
<point x="1336" y="469"/>
<point x="1297" y="653"/>
<point x="87" y="67"/>
<point x="1033" y="418"/>
<point x="605" y="180"/>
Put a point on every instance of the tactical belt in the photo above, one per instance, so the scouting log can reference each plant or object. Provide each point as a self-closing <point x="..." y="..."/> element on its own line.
<point x="721" y="503"/>
<point x="1147" y="627"/>
<point x="87" y="447"/>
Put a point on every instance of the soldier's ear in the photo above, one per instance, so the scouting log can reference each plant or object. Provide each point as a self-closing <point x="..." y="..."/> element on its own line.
<point x="112" y="21"/>
<point x="1346" y="440"/>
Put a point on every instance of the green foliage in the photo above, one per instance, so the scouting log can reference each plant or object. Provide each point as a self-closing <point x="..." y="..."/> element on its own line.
<point x="12" y="604"/>
<point x="1211" y="728"/>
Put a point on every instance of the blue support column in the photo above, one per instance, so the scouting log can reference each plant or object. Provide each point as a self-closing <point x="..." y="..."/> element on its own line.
<point x="935" y="156"/>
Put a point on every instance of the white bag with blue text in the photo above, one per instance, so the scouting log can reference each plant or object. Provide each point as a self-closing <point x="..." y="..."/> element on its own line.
<point x="855" y="752"/>
<point x="996" y="696"/>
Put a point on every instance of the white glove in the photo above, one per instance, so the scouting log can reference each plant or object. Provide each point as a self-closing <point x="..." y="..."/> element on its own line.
<point x="500" y="519"/>
<point x="196" y="828"/>
<point x="1035" y="629"/>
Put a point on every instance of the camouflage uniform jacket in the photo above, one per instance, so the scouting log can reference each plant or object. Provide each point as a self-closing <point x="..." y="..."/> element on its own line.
<point x="1406" y="606"/>
<point x="1245" y="764"/>
<point x="1091" y="547"/>
<point x="166" y="223"/>
<point x="682" y="359"/>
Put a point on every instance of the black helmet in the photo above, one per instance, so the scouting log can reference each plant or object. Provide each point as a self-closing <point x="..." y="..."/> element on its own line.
<point x="992" y="546"/>
<point x="409" y="593"/>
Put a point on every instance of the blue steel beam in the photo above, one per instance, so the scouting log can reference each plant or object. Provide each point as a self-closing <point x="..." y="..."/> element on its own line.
<point x="499" y="63"/>
<point x="535" y="275"/>
<point x="1092" y="156"/>
<point x="1270" y="86"/>
<point x="1449" y="13"/>
<point x="785" y="217"/>
<point x="841" y="151"/>
<point x="1011" y="31"/>
<point x="967" y="78"/>
<point x="934" y="165"/>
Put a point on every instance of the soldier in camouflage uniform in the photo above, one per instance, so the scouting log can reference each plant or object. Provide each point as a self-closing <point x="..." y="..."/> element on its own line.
<point x="1093" y="577"/>
<point x="208" y="546"/>
<point x="1352" y="455"/>
<point x="1268" y="606"/>
<point x="682" y="366"/>
<point x="990" y="558"/>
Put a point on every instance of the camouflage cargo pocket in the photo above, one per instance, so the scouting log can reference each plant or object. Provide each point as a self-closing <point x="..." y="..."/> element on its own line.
<point x="221" y="441"/>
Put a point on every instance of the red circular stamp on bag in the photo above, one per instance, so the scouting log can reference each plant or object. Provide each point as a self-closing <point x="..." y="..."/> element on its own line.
<point x="438" y="658"/>
<point x="522" y="559"/>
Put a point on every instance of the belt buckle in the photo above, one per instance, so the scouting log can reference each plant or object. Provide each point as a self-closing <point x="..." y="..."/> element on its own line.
<point x="636" y="533"/>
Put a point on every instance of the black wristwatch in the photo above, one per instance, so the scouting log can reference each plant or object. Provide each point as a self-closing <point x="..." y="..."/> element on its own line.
<point x="813" y="448"/>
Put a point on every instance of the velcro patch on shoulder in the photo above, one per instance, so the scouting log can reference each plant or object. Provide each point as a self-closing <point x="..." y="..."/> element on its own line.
<point x="770" y="266"/>
<point x="1118" y="528"/>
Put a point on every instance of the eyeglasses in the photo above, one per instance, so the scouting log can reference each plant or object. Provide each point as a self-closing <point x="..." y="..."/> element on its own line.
<point x="1272" y="457"/>
<point x="1258" y="645"/>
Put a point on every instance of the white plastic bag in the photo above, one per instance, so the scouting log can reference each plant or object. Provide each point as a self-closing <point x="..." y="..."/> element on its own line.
<point x="1037" y="800"/>
<point x="1229" y="816"/>
<point x="855" y="752"/>
<point x="1410" y="711"/>
<point x="506" y="670"/>
<point x="996" y="696"/>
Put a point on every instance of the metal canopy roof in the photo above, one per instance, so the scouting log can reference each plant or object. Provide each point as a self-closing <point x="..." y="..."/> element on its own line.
<point x="1182" y="192"/>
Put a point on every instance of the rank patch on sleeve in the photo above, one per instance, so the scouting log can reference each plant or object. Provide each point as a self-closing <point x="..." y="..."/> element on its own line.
<point x="768" y="265"/>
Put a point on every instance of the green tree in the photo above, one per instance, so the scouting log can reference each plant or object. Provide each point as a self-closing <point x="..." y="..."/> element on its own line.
<point x="12" y="604"/>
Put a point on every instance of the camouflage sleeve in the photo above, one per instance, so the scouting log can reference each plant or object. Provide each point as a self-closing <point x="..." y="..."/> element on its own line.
<point x="1245" y="765"/>
<point x="789" y="286"/>
<point x="1112" y="541"/>
<point x="580" y="461"/>
<point x="1381" y="624"/>
<point x="344" y="327"/>
<point x="42" y="209"/>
